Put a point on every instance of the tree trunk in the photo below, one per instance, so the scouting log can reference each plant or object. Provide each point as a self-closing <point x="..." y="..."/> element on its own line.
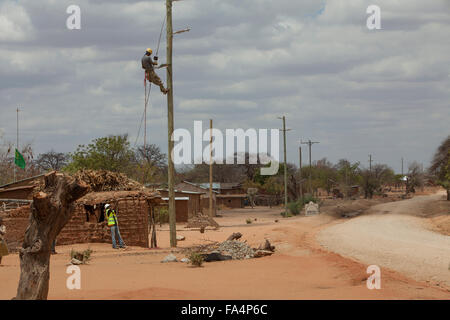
<point x="50" y="211"/>
<point x="448" y="194"/>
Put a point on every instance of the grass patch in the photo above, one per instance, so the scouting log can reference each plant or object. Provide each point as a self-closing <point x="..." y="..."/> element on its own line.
<point x="196" y="259"/>
<point x="83" y="256"/>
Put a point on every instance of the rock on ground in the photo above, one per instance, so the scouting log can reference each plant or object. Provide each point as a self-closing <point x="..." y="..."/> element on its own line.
<point x="170" y="258"/>
<point x="75" y="261"/>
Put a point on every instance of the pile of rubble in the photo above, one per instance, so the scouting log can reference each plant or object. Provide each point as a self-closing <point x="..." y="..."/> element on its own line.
<point x="236" y="249"/>
<point x="102" y="180"/>
<point x="232" y="249"/>
<point x="202" y="221"/>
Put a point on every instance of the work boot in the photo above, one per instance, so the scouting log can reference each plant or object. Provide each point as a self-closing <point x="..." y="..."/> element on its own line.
<point x="164" y="90"/>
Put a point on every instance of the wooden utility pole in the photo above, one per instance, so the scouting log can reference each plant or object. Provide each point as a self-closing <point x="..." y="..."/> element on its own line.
<point x="145" y="132"/>
<point x="285" y="163"/>
<point x="210" y="169"/>
<point x="171" y="178"/>
<point x="370" y="162"/>
<point x="300" y="169"/>
<point x="310" y="143"/>
<point x="17" y="146"/>
<point x="402" y="167"/>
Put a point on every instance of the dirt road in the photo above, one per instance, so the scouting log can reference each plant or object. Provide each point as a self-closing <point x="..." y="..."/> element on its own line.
<point x="299" y="269"/>
<point x="394" y="236"/>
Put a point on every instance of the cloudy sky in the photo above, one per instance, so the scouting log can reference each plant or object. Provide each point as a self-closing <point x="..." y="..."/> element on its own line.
<point x="244" y="63"/>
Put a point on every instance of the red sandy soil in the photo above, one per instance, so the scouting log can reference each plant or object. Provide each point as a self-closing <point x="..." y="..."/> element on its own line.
<point x="299" y="269"/>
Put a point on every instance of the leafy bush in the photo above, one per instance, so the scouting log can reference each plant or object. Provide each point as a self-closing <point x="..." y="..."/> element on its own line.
<point x="162" y="215"/>
<point x="295" y="207"/>
<point x="248" y="221"/>
<point x="196" y="259"/>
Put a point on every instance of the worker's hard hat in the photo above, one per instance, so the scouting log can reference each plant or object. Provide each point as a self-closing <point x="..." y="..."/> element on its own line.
<point x="149" y="50"/>
<point x="107" y="206"/>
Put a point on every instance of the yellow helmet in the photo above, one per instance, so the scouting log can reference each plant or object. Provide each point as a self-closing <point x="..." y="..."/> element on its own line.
<point x="149" y="50"/>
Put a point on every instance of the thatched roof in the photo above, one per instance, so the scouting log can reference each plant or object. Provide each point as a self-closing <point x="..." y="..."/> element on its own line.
<point x="112" y="196"/>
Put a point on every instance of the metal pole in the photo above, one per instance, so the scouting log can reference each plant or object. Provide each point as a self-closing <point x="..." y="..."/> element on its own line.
<point x="171" y="173"/>
<point x="210" y="169"/>
<point x="285" y="165"/>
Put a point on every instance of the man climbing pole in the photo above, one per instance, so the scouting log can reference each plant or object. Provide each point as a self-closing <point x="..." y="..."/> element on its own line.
<point x="150" y="73"/>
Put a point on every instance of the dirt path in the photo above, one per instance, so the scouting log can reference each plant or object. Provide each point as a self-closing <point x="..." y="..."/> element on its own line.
<point x="299" y="269"/>
<point x="394" y="236"/>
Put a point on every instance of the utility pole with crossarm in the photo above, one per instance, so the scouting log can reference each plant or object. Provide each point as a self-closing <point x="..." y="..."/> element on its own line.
<point x="310" y="143"/>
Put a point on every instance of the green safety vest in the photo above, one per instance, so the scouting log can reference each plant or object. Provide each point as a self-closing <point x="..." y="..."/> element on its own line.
<point x="112" y="218"/>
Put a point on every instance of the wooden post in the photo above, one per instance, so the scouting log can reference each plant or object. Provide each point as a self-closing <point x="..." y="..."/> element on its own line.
<point x="171" y="169"/>
<point x="285" y="165"/>
<point x="300" y="170"/>
<point x="210" y="169"/>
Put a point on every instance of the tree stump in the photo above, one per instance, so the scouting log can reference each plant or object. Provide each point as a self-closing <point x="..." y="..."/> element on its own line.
<point x="51" y="210"/>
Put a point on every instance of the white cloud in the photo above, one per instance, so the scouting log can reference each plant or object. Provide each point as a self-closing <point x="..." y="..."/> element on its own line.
<point x="15" y="24"/>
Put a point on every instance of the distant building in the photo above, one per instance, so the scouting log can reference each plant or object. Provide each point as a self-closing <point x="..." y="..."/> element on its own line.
<point x="227" y="194"/>
<point x="204" y="197"/>
<point x="187" y="203"/>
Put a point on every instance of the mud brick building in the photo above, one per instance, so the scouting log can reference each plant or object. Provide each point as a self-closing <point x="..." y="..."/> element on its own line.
<point x="88" y="223"/>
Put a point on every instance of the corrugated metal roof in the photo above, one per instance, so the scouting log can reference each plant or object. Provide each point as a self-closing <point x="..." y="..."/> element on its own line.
<point x="182" y="191"/>
<point x="215" y="185"/>
<point x="176" y="198"/>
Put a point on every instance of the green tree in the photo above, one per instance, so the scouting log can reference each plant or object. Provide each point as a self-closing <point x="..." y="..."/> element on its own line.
<point x="440" y="165"/>
<point x="111" y="153"/>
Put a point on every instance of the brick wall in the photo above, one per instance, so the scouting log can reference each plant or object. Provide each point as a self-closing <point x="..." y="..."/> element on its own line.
<point x="132" y="214"/>
<point x="16" y="222"/>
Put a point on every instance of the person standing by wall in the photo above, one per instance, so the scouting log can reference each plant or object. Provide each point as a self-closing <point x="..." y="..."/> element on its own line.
<point x="3" y="247"/>
<point x="113" y="223"/>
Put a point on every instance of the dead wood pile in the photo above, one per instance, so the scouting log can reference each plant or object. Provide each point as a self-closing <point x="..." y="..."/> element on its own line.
<point x="102" y="180"/>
